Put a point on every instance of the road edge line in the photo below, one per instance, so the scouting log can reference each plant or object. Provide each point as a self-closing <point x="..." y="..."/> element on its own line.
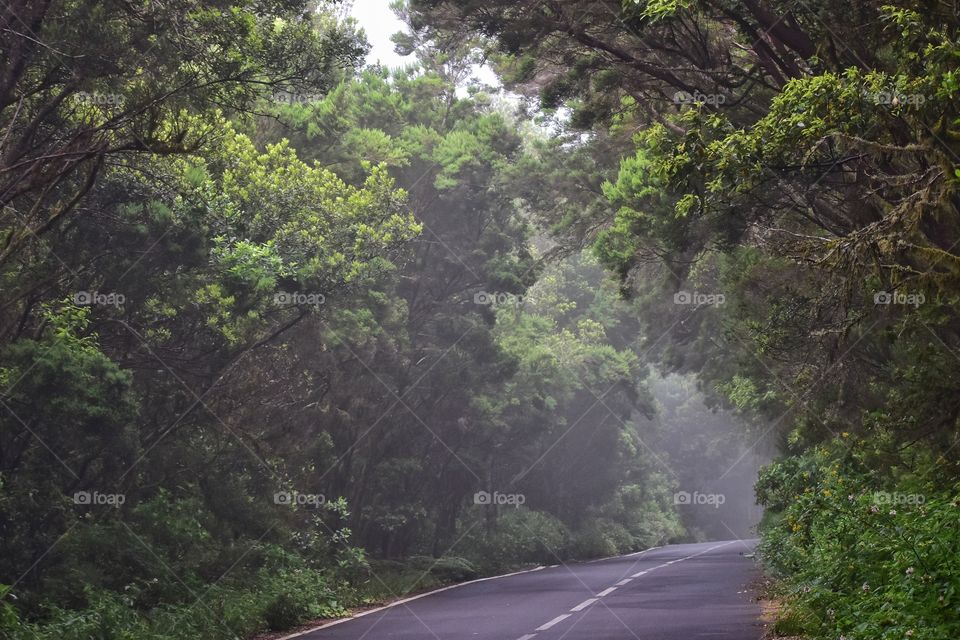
<point x="404" y="601"/>
<point x="625" y="555"/>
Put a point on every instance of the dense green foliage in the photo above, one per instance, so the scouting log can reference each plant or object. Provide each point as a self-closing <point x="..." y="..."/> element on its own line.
<point x="272" y="326"/>
<point x="864" y="559"/>
<point x="799" y="159"/>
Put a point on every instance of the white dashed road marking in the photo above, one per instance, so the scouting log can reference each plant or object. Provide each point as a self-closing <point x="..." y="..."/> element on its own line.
<point x="586" y="603"/>
<point x="583" y="605"/>
<point x="556" y="620"/>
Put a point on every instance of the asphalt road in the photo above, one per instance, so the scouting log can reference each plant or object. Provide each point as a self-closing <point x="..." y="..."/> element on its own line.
<point x="678" y="592"/>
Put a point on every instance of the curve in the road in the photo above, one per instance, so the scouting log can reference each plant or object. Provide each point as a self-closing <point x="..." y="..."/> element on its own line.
<point x="698" y="591"/>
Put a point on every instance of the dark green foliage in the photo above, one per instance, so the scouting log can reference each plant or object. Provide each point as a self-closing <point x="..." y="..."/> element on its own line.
<point x="862" y="556"/>
<point x="250" y="373"/>
<point x="800" y="159"/>
<point x="283" y="612"/>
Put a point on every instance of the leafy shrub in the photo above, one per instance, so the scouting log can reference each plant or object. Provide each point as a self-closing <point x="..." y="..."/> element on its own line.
<point x="859" y="560"/>
<point x="521" y="536"/>
<point x="601" y="538"/>
<point x="283" y="612"/>
<point x="223" y="589"/>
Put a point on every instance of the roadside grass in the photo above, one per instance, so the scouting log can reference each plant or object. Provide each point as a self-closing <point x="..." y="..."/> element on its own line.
<point x="779" y="621"/>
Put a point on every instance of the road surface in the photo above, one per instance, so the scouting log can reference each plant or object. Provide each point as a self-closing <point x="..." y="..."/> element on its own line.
<point x="678" y="592"/>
